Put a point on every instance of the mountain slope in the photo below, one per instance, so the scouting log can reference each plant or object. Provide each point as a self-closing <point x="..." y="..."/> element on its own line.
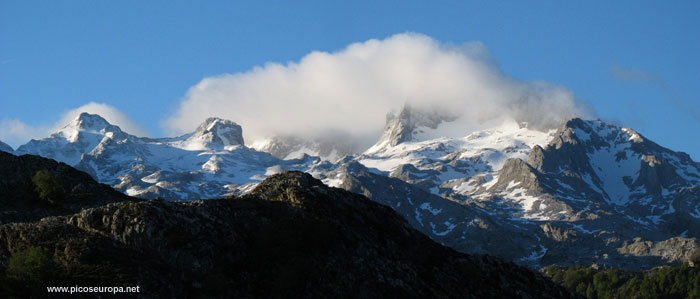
<point x="291" y="236"/>
<point x="19" y="202"/>
<point x="466" y="228"/>
<point x="5" y="148"/>
<point x="606" y="193"/>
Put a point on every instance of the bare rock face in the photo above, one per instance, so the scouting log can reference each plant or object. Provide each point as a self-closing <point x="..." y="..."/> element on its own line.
<point x="291" y="236"/>
<point x="557" y="233"/>
<point x="217" y="133"/>
<point x="676" y="249"/>
<point x="516" y="170"/>
<point x="655" y="174"/>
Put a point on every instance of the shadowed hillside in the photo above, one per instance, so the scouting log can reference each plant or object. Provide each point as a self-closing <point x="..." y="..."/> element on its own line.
<point x="292" y="236"/>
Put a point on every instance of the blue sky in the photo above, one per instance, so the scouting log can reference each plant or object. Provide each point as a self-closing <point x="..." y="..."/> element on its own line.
<point x="635" y="63"/>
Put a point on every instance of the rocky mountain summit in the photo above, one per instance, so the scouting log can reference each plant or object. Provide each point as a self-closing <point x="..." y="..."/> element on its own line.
<point x="213" y="134"/>
<point x="291" y="236"/>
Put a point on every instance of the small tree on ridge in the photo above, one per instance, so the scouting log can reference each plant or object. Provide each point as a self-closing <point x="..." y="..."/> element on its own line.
<point x="47" y="186"/>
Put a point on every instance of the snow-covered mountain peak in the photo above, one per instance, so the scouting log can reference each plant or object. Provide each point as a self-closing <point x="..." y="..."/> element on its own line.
<point x="214" y="133"/>
<point x="592" y="135"/>
<point x="616" y="164"/>
<point x="86" y="122"/>
<point x="76" y="138"/>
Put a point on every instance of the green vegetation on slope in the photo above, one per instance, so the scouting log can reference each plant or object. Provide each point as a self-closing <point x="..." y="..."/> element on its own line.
<point x="29" y="271"/>
<point x="664" y="282"/>
<point x="47" y="186"/>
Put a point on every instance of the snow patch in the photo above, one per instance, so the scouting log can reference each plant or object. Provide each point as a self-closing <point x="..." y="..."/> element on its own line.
<point x="426" y="206"/>
<point x="536" y="255"/>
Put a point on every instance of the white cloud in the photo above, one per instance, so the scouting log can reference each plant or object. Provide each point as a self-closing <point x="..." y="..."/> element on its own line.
<point x="16" y="132"/>
<point x="352" y="90"/>
<point x="635" y="75"/>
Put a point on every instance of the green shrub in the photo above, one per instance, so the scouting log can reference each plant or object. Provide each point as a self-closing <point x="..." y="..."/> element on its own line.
<point x="31" y="266"/>
<point x="665" y="282"/>
<point x="47" y="186"/>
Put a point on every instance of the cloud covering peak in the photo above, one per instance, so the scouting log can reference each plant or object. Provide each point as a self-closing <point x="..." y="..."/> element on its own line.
<point x="352" y="90"/>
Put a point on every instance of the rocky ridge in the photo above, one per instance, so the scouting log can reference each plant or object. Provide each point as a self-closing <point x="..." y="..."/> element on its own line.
<point x="20" y="202"/>
<point x="290" y="236"/>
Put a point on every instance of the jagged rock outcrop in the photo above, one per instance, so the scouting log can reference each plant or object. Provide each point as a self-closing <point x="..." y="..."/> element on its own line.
<point x="676" y="249"/>
<point x="291" y="236"/>
<point x="655" y="174"/>
<point x="411" y="174"/>
<point x="516" y="170"/>
<point x="215" y="133"/>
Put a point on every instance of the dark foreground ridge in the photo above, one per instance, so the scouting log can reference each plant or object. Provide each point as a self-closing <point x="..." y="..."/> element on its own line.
<point x="19" y="202"/>
<point x="290" y="237"/>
